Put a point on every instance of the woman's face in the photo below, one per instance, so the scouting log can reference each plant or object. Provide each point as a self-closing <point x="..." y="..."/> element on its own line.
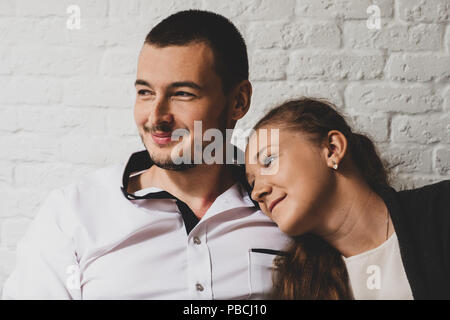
<point x="290" y="177"/>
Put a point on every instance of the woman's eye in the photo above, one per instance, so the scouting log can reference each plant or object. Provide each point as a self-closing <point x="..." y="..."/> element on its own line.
<point x="268" y="161"/>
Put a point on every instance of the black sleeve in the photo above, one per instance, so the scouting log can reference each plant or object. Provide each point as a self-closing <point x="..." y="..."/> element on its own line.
<point x="430" y="206"/>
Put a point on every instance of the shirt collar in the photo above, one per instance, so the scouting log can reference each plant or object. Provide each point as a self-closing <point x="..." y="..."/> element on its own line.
<point x="140" y="161"/>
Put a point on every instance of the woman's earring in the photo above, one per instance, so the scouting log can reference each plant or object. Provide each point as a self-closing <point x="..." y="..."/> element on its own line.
<point x="335" y="166"/>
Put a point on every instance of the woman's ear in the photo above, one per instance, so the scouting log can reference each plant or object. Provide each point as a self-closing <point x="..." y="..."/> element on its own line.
<point x="337" y="148"/>
<point x="242" y="100"/>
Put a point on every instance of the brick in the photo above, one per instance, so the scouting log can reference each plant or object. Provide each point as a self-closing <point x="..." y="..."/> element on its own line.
<point x="447" y="38"/>
<point x="120" y="122"/>
<point x="251" y="10"/>
<point x="419" y="67"/>
<point x="305" y="34"/>
<point x="447" y="98"/>
<point x="48" y="175"/>
<point x="55" y="61"/>
<point x="423" y="129"/>
<point x="6" y="173"/>
<point x="8" y="118"/>
<point x="393" y="37"/>
<point x="442" y="161"/>
<point x="7" y="8"/>
<point x="119" y="61"/>
<point x="335" y="66"/>
<point x="412" y="181"/>
<point x="268" y="65"/>
<point x="43" y="8"/>
<point x="374" y="126"/>
<point x="21" y="201"/>
<point x="5" y="61"/>
<point x="13" y="231"/>
<point x="424" y="11"/>
<point x="8" y="259"/>
<point x="342" y="8"/>
<point x="329" y="91"/>
<point x="381" y="97"/>
<point x="267" y="35"/>
<point x="33" y="31"/>
<point x="266" y="95"/>
<point x="30" y="147"/>
<point x="126" y="32"/>
<point x="97" y="150"/>
<point x="407" y="159"/>
<point x="90" y="91"/>
<point x="150" y="10"/>
<point x="63" y="119"/>
<point x="18" y="90"/>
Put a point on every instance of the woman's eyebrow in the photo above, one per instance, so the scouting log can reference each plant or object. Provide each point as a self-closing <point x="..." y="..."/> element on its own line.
<point x="258" y="153"/>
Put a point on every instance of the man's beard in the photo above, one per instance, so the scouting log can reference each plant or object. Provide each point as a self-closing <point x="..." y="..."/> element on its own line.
<point x="167" y="164"/>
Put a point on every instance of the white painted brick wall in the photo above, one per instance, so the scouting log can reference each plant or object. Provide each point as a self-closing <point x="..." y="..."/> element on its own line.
<point x="66" y="96"/>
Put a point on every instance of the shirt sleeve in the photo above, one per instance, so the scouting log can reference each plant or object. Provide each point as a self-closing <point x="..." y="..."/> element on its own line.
<point x="46" y="260"/>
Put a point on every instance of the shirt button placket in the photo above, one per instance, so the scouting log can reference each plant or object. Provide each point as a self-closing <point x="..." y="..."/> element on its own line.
<point x="199" y="266"/>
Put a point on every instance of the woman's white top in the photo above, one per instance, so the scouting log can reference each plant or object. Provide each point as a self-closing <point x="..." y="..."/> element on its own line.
<point x="378" y="274"/>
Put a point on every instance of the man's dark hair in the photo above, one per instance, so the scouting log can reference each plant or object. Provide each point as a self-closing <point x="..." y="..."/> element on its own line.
<point x="225" y="41"/>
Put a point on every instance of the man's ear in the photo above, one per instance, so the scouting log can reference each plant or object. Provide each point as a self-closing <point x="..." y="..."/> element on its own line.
<point x="241" y="102"/>
<point x="336" y="148"/>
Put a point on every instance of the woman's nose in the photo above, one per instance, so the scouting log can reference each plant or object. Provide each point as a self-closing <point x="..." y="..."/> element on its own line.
<point x="259" y="191"/>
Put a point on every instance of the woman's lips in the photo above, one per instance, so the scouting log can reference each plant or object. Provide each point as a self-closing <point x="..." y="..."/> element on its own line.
<point x="275" y="202"/>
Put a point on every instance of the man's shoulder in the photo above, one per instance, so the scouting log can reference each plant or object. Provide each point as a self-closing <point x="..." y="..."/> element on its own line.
<point x="427" y="205"/>
<point x="98" y="183"/>
<point x="432" y="193"/>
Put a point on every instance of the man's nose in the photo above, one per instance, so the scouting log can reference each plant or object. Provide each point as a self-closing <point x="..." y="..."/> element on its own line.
<point x="161" y="111"/>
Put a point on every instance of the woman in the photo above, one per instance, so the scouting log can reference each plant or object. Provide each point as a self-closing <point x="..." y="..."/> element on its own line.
<point x="353" y="235"/>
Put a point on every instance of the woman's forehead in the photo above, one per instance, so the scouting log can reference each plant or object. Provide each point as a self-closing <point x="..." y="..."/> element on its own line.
<point x="260" y="141"/>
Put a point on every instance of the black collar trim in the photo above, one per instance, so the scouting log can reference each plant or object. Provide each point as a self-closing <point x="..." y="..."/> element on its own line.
<point x="140" y="161"/>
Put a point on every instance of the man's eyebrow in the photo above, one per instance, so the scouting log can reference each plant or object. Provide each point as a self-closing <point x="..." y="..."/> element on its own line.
<point x="142" y="83"/>
<point x="189" y="84"/>
<point x="179" y="84"/>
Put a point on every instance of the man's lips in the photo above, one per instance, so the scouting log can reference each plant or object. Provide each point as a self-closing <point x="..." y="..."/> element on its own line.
<point x="162" y="135"/>
<point x="162" y="138"/>
<point x="275" y="202"/>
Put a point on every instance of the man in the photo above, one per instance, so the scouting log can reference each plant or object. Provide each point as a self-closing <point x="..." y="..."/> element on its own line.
<point x="151" y="227"/>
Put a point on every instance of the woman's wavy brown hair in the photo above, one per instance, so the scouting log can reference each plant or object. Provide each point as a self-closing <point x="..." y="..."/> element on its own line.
<point x="312" y="268"/>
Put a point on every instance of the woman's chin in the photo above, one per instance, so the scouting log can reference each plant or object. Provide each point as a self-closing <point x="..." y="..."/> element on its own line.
<point x="289" y="228"/>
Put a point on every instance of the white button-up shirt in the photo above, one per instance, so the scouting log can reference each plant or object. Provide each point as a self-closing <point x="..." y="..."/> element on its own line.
<point x="93" y="240"/>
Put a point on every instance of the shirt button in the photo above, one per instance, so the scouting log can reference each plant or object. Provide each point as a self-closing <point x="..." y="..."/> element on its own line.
<point x="199" y="287"/>
<point x="197" y="240"/>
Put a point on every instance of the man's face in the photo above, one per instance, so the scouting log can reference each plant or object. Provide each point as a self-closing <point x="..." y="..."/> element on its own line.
<point x="175" y="86"/>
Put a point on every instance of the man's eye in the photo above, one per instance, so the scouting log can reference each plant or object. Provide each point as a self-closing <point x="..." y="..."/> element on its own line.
<point x="183" y="94"/>
<point x="143" y="92"/>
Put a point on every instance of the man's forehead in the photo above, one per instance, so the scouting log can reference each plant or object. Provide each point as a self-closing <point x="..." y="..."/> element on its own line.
<point x="192" y="51"/>
<point x="190" y="62"/>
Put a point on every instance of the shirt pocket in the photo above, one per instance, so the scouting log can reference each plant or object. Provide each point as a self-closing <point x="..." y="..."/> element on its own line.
<point x="260" y="269"/>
